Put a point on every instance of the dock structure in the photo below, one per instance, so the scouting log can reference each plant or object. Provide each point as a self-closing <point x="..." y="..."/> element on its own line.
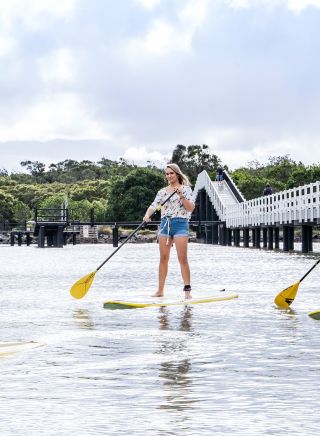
<point x="50" y="225"/>
<point x="260" y="221"/>
<point x="19" y="235"/>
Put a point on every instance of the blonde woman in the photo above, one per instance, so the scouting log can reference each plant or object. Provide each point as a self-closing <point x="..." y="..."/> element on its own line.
<point x="174" y="227"/>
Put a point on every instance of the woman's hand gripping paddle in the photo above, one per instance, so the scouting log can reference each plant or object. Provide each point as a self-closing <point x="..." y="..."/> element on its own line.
<point x="82" y="286"/>
<point x="285" y="298"/>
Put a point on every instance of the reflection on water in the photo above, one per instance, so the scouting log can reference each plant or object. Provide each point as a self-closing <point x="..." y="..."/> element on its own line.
<point x="175" y="370"/>
<point x="82" y="319"/>
<point x="184" y="320"/>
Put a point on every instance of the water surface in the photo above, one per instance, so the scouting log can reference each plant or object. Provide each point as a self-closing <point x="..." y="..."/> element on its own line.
<point x="238" y="367"/>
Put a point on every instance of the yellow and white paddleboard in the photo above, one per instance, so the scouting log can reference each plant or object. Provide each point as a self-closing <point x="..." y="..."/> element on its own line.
<point x="7" y="348"/>
<point x="161" y="302"/>
<point x="315" y="314"/>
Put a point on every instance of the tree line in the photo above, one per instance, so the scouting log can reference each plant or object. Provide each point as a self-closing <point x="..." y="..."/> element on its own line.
<point x="121" y="191"/>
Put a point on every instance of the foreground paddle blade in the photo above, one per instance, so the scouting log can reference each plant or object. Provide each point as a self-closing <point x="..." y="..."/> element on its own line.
<point x="286" y="297"/>
<point x="315" y="314"/>
<point x="82" y="286"/>
<point x="7" y="348"/>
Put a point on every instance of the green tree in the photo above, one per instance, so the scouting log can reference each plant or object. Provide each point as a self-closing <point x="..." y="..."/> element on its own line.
<point x="130" y="196"/>
<point x="193" y="159"/>
<point x="21" y="212"/>
<point x="54" y="201"/>
<point x="36" y="169"/>
<point x="250" y="185"/>
<point x="80" y="210"/>
<point x="7" y="202"/>
<point x="280" y="171"/>
<point x="303" y="175"/>
<point x="100" y="209"/>
<point x="90" y="190"/>
<point x="280" y="168"/>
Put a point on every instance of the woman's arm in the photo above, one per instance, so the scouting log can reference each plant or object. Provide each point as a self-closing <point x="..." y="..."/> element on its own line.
<point x="186" y="203"/>
<point x="153" y="206"/>
<point x="148" y="214"/>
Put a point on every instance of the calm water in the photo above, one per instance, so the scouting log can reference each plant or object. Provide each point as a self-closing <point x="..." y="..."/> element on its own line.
<point x="240" y="367"/>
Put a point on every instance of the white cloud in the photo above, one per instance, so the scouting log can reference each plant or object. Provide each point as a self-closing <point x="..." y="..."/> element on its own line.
<point x="57" y="66"/>
<point x="193" y="14"/>
<point x="300" y="5"/>
<point x="240" y="4"/>
<point x="293" y="5"/>
<point x="237" y="146"/>
<point x="33" y="13"/>
<point x="163" y="38"/>
<point x="6" y="45"/>
<point x="148" y="4"/>
<point x="58" y="115"/>
<point x="141" y="155"/>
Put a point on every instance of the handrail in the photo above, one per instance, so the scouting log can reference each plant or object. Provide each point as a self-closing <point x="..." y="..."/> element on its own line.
<point x="236" y="191"/>
<point x="296" y="205"/>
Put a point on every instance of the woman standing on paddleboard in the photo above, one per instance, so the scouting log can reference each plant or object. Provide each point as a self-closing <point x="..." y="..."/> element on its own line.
<point x="175" y="216"/>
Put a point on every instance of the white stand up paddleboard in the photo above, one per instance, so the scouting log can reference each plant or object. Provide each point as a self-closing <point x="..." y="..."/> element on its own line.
<point x="161" y="302"/>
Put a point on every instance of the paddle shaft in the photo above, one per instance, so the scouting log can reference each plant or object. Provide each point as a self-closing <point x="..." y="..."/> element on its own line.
<point x="132" y="234"/>
<point x="308" y="272"/>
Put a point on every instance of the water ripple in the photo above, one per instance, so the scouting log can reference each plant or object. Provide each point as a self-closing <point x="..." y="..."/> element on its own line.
<point x="238" y="367"/>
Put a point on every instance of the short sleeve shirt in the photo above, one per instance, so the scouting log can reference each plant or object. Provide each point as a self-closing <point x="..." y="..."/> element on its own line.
<point x="173" y="208"/>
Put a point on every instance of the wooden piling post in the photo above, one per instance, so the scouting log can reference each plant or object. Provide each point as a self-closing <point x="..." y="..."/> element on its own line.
<point x="276" y="237"/>
<point x="246" y="237"/>
<point x="265" y="237"/>
<point x="115" y="235"/>
<point x="306" y="238"/>
<point x="270" y="238"/>
<point x="41" y="237"/>
<point x="236" y="237"/>
<point x="257" y="237"/>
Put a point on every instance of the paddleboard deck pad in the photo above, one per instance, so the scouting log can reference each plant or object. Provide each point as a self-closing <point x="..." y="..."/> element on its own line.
<point x="7" y="348"/>
<point x="162" y="302"/>
<point x="315" y="314"/>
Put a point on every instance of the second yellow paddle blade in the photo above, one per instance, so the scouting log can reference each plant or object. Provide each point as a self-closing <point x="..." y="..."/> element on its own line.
<point x="286" y="297"/>
<point x="82" y="286"/>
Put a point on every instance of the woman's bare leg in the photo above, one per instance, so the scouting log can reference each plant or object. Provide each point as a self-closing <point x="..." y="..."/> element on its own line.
<point x="163" y="264"/>
<point x="182" y="252"/>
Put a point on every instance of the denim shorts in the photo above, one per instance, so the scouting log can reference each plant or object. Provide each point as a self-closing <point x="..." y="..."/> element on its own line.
<point x="174" y="227"/>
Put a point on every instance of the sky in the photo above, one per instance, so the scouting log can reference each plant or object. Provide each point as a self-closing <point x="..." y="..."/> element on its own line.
<point x="86" y="79"/>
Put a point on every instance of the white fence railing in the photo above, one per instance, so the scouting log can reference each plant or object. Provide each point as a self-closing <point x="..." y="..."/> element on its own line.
<point x="220" y="198"/>
<point x="297" y="205"/>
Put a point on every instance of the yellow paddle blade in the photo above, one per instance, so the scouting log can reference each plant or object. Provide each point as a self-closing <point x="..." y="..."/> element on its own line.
<point x="82" y="286"/>
<point x="286" y="297"/>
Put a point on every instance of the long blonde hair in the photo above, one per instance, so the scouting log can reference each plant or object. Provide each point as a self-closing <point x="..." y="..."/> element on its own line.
<point x="182" y="178"/>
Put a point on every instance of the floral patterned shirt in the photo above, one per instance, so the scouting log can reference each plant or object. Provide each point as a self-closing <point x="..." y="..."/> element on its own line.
<point x="173" y="208"/>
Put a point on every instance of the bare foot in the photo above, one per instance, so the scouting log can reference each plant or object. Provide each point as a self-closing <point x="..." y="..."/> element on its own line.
<point x="157" y="294"/>
<point x="187" y="295"/>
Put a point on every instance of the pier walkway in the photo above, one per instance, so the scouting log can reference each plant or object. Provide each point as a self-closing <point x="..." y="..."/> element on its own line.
<point x="262" y="221"/>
